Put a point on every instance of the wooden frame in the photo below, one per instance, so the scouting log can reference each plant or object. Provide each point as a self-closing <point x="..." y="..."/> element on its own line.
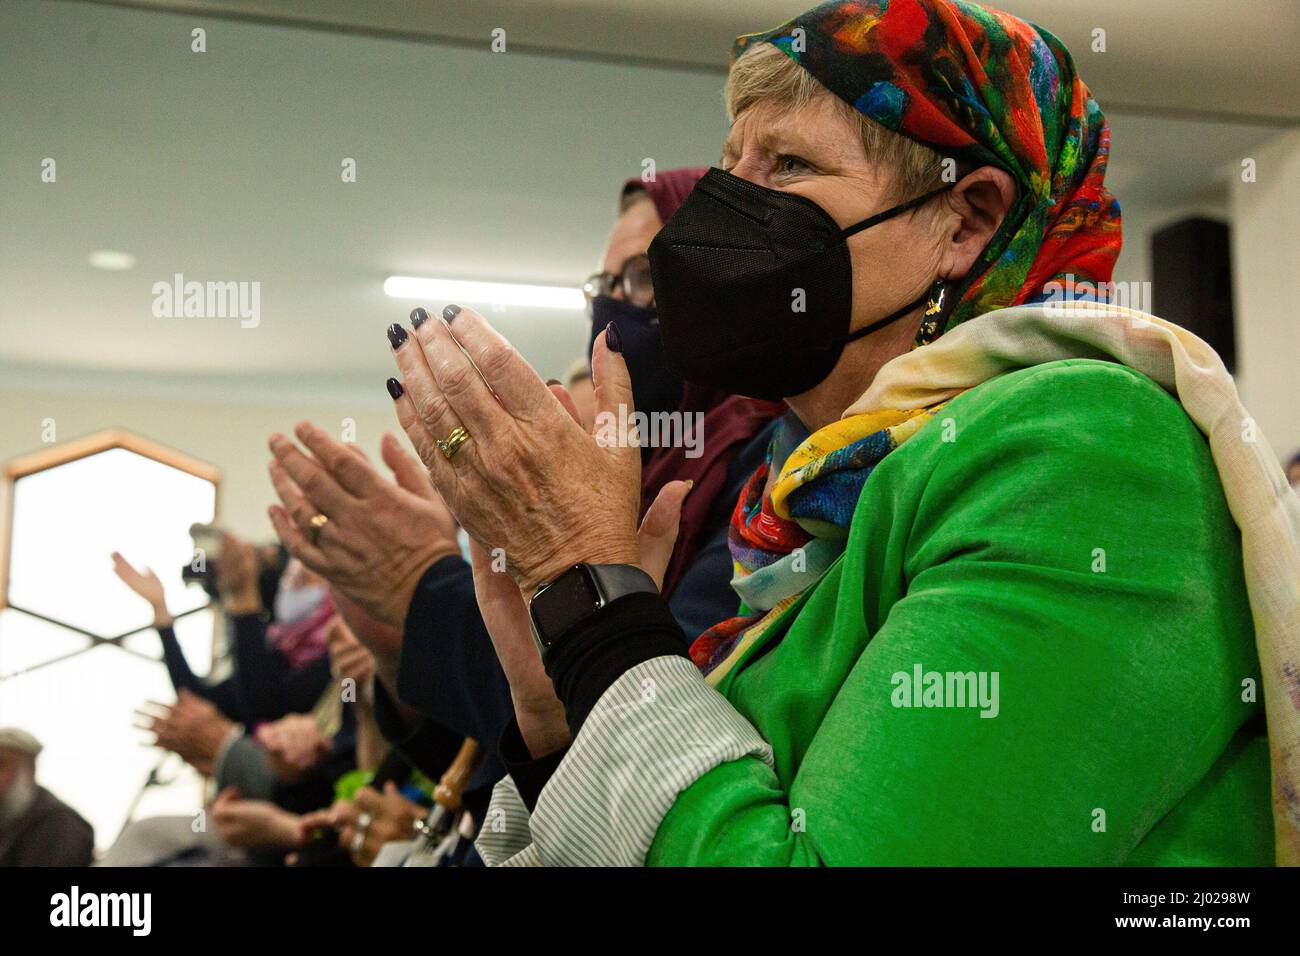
<point x="69" y="451"/>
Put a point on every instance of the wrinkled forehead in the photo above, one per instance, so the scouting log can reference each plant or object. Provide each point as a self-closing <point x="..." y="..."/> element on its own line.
<point x="820" y="127"/>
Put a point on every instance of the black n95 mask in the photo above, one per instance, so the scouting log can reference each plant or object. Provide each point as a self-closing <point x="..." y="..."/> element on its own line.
<point x="754" y="287"/>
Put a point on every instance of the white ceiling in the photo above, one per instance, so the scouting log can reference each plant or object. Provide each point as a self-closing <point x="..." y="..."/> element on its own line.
<point x="1228" y="56"/>
<point x="225" y="165"/>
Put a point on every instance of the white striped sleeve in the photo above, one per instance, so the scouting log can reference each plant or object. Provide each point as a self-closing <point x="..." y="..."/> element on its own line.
<point x="504" y="833"/>
<point x="653" y="733"/>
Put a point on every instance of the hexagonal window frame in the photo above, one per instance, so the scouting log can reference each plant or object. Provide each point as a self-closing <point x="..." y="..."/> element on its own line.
<point x="65" y="453"/>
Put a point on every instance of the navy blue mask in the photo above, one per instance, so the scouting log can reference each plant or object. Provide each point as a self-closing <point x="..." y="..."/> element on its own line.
<point x="654" y="388"/>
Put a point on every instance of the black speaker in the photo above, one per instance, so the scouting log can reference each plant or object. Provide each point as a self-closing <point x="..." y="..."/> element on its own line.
<point x="1191" y="275"/>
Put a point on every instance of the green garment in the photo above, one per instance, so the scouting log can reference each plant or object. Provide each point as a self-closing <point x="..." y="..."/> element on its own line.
<point x="1064" y="527"/>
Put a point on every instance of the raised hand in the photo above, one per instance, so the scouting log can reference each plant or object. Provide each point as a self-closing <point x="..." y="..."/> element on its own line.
<point x="528" y="479"/>
<point x="237" y="576"/>
<point x="146" y="584"/>
<point x="294" y="744"/>
<point x="377" y="537"/>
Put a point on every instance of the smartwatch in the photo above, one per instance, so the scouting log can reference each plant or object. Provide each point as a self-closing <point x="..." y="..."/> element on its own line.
<point x="577" y="594"/>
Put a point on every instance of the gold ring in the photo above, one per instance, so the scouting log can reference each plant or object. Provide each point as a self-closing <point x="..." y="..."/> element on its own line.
<point x="317" y="522"/>
<point x="452" y="444"/>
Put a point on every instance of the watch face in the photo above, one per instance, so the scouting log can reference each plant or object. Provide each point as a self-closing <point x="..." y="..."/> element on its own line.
<point x="570" y="598"/>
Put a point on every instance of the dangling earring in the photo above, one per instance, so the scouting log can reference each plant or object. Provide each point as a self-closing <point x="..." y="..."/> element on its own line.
<point x="933" y="314"/>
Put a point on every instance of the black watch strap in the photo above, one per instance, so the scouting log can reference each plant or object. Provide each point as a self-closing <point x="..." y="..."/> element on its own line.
<point x="561" y="605"/>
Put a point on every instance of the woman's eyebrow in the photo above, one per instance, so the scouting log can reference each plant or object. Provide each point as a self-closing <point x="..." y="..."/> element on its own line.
<point x="768" y="141"/>
<point x="773" y="141"/>
<point x="783" y="140"/>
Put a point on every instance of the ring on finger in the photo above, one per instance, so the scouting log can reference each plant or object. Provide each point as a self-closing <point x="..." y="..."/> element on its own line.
<point x="317" y="522"/>
<point x="451" y="444"/>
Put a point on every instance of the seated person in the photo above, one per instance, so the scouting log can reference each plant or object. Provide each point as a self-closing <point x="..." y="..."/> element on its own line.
<point x="36" y="827"/>
<point x="392" y="546"/>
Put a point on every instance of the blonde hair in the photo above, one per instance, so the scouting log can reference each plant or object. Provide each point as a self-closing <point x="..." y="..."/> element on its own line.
<point x="765" y="74"/>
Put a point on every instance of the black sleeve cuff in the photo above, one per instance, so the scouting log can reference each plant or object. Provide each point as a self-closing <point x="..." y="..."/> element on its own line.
<point x="529" y="774"/>
<point x="420" y="659"/>
<point x="426" y="599"/>
<point x="624" y="633"/>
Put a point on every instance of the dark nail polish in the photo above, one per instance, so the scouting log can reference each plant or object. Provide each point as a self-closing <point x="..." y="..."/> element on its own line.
<point x="450" y="313"/>
<point x="613" y="339"/>
<point x="418" y="318"/>
<point x="552" y="381"/>
<point x="395" y="388"/>
<point x="396" y="335"/>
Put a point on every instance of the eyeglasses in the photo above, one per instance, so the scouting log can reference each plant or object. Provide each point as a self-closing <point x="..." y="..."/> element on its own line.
<point x="633" y="280"/>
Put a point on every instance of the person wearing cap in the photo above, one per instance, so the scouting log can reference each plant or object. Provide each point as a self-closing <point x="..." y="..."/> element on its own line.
<point x="36" y="827"/>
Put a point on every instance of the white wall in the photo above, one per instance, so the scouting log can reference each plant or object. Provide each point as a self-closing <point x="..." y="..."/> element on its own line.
<point x="1266" y="289"/>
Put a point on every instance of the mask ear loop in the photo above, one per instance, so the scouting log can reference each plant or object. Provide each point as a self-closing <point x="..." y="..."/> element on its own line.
<point x="893" y="211"/>
<point x="933" y="298"/>
<point x="887" y="320"/>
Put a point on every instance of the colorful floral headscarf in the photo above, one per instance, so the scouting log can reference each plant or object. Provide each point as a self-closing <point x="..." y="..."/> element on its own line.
<point x="983" y="88"/>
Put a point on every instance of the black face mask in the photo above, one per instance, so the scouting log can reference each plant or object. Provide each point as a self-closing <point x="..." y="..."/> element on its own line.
<point x="754" y="287"/>
<point x="654" y="388"/>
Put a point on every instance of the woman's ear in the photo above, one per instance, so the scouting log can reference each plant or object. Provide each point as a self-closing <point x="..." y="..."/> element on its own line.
<point x="980" y="201"/>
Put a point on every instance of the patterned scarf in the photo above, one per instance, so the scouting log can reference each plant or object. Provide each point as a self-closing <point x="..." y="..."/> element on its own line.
<point x="984" y="88"/>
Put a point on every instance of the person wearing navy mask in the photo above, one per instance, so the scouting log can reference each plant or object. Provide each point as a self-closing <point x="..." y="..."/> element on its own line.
<point x="622" y="295"/>
<point x="733" y="431"/>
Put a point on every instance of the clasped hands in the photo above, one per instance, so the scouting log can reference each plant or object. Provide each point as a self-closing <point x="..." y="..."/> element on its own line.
<point x="530" y="484"/>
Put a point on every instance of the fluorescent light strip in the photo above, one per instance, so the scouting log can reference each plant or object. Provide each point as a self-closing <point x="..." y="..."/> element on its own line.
<point x="485" y="293"/>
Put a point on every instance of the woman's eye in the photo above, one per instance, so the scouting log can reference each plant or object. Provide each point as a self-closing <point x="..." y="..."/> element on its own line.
<point x="787" y="163"/>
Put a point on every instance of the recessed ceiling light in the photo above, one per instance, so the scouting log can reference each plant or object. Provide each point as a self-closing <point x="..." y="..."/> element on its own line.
<point x="111" y="260"/>
<point x="485" y="293"/>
